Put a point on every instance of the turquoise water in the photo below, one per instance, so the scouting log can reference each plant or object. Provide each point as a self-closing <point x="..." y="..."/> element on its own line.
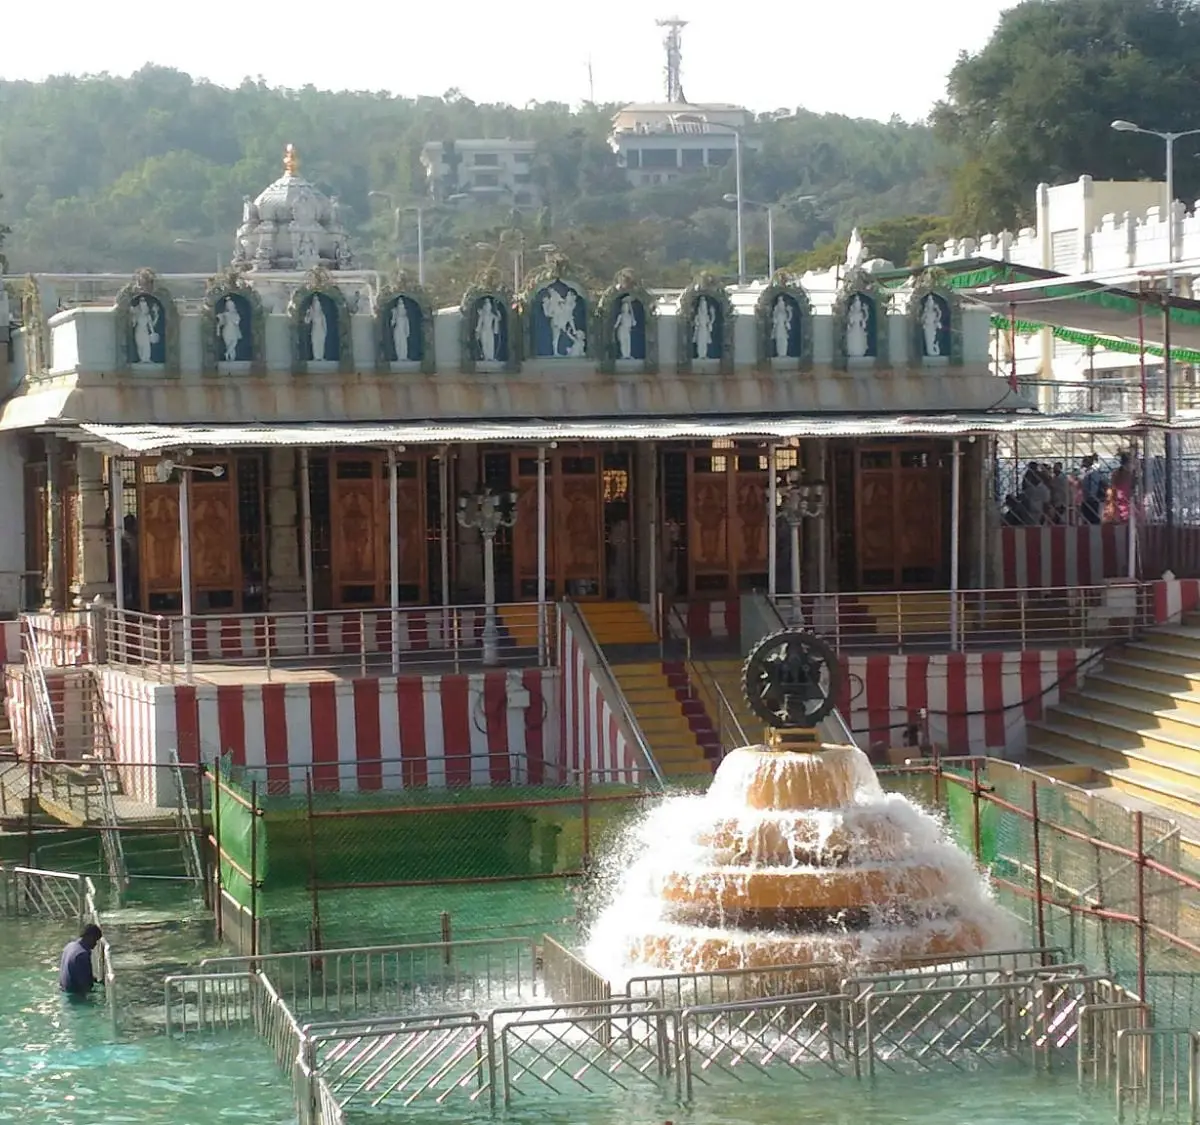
<point x="61" y="1064"/>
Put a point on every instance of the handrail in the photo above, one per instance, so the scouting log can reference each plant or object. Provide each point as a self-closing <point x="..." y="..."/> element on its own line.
<point x="35" y="676"/>
<point x="613" y="690"/>
<point x="700" y="674"/>
<point x="191" y="853"/>
<point x="105" y="757"/>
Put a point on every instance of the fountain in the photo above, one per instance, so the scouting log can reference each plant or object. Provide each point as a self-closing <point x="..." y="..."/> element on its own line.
<point x="794" y="856"/>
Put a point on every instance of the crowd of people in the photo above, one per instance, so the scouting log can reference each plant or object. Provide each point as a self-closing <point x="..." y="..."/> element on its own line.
<point x="1050" y="495"/>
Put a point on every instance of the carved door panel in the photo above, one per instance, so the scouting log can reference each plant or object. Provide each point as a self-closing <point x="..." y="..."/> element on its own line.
<point x="525" y="538"/>
<point x="918" y="525"/>
<point x="579" y="529"/>
<point x="358" y="533"/>
<point x="750" y="545"/>
<point x="708" y="526"/>
<point x="898" y="517"/>
<point x="214" y="534"/>
<point x="159" y="534"/>
<point x="876" y="529"/>
<point x="411" y="555"/>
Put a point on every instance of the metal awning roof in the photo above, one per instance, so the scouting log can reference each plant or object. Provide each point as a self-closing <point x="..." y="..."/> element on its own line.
<point x="148" y="439"/>
<point x="1097" y="308"/>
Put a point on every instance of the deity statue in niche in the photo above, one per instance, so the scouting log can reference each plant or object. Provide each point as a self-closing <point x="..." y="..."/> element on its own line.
<point x="145" y="316"/>
<point x="488" y="326"/>
<point x="626" y="324"/>
<point x="401" y="329"/>
<point x="858" y="328"/>
<point x="561" y="307"/>
<point x="229" y="328"/>
<point x="704" y="325"/>
<point x="307" y="255"/>
<point x="785" y="327"/>
<point x="935" y="328"/>
<point x="318" y="327"/>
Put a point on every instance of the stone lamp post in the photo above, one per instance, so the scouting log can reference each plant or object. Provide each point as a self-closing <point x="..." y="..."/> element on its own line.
<point x="799" y="500"/>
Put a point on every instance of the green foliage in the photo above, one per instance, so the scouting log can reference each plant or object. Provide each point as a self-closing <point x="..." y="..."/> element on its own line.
<point x="1037" y="103"/>
<point x="900" y="241"/>
<point x="110" y="174"/>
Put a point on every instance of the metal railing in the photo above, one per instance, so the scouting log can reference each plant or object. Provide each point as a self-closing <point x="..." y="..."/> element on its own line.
<point x="45" y="744"/>
<point x="187" y="827"/>
<point x="1158" y="1073"/>
<point x="704" y="686"/>
<point x="61" y="895"/>
<point x="369" y="641"/>
<point x="568" y="977"/>
<point x="415" y="976"/>
<point x="907" y="621"/>
<point x="594" y="653"/>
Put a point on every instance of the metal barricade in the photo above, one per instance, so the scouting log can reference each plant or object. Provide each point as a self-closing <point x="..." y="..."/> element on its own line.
<point x="1158" y="1074"/>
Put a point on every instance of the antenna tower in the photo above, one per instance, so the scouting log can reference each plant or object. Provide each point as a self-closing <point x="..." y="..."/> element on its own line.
<point x="674" y="45"/>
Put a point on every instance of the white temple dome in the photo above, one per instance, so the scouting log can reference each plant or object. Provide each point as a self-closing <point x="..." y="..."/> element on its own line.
<point x="292" y="226"/>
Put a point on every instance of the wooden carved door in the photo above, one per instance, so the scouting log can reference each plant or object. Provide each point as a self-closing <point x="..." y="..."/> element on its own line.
<point x="899" y="518"/>
<point x="357" y="533"/>
<point x="727" y="522"/>
<point x="578" y="526"/>
<point x="215" y="540"/>
<point x="159" y="534"/>
<point x="412" y="557"/>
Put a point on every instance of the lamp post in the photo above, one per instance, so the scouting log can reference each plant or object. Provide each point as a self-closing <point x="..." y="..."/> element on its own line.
<point x="770" y="208"/>
<point x="419" y="208"/>
<point x="486" y="512"/>
<point x="1168" y="140"/>
<point x="515" y="240"/>
<point x="799" y="500"/>
<point x="737" y="197"/>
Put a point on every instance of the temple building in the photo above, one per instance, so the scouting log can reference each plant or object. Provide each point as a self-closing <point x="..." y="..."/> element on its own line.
<point x="316" y="405"/>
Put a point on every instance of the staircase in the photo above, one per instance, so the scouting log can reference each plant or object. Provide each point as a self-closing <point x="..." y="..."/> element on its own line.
<point x="618" y="623"/>
<point x="1134" y="725"/>
<point x="727" y="675"/>
<point x="671" y="725"/>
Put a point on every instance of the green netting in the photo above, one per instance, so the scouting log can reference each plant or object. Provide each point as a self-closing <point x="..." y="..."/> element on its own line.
<point x="1077" y="872"/>
<point x="241" y="836"/>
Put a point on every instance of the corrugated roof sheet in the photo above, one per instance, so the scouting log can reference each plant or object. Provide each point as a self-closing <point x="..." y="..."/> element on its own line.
<point x="148" y="438"/>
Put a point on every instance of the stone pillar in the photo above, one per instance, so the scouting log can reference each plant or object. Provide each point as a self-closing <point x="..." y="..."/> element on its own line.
<point x="54" y="564"/>
<point x="285" y="570"/>
<point x="467" y="584"/>
<point x="648" y="547"/>
<point x="94" y="577"/>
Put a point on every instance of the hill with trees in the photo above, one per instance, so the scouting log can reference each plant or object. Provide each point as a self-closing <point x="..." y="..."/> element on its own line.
<point x="109" y="174"/>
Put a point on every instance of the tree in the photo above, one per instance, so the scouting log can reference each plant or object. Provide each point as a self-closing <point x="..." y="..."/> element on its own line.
<point x="1037" y="102"/>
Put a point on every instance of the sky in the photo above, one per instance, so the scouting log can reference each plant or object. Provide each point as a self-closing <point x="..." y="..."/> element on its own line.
<point x="870" y="58"/>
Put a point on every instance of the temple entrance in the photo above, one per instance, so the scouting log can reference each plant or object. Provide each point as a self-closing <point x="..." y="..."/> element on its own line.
<point x="227" y="534"/>
<point x="715" y="526"/>
<point x="589" y="537"/>
<point x="351" y="529"/>
<point x="891" y="536"/>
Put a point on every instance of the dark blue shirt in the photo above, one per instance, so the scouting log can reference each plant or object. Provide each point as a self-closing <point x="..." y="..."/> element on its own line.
<point x="75" y="969"/>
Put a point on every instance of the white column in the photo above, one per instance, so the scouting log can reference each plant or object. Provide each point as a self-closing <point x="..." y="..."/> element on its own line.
<point x="541" y="553"/>
<point x="955" y="530"/>
<point x="797" y="617"/>
<point x="185" y="567"/>
<point x="652" y="539"/>
<point x="489" y="595"/>
<point x="116" y="501"/>
<point x="394" y="557"/>
<point x="306" y="531"/>
<point x="447" y="523"/>
<point x="1135" y="498"/>
<point x="772" y="523"/>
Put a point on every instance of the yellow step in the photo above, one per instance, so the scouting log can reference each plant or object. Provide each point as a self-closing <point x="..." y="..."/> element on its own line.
<point x="618" y="623"/>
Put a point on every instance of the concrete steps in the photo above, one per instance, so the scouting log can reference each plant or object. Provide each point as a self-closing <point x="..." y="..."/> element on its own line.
<point x="618" y="623"/>
<point x="671" y="729"/>
<point x="1134" y="726"/>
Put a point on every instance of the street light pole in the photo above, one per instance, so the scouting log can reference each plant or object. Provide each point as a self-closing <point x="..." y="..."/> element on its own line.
<point x="420" y="244"/>
<point x="737" y="172"/>
<point x="770" y="243"/>
<point x="1168" y="140"/>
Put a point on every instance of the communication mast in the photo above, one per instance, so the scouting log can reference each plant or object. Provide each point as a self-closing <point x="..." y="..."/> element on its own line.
<point x="674" y="45"/>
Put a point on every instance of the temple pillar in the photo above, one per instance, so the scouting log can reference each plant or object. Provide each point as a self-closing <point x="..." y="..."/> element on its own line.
<point x="468" y="582"/>
<point x="91" y="576"/>
<point x="285" y="576"/>
<point x="812" y="465"/>
<point x="647" y="533"/>
<point x="54" y="564"/>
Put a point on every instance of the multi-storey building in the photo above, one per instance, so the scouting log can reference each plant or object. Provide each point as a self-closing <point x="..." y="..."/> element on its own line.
<point x="486" y="170"/>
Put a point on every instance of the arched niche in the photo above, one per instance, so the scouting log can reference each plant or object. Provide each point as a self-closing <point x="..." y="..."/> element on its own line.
<point x="147" y="326"/>
<point x="783" y="318"/>
<point x="232" y="324"/>
<point x="627" y="326"/>
<point x="320" y="321"/>
<point x="935" y="319"/>
<point x="705" y="327"/>
<point x="860" y="323"/>
<point x="555" y="313"/>
<point x="404" y="338"/>
<point x="489" y="329"/>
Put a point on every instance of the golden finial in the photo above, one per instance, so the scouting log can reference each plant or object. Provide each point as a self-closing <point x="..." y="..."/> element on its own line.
<point x="291" y="160"/>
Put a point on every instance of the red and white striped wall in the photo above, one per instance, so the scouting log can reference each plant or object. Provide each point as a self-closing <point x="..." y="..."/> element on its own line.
<point x="479" y="729"/>
<point x="978" y="702"/>
<point x="1070" y="555"/>
<point x="10" y="642"/>
<point x="1172" y="598"/>
<point x="591" y="737"/>
<point x="720" y="617"/>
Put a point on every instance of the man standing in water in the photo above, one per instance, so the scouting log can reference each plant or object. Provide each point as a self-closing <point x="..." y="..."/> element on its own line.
<point x="75" y="976"/>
